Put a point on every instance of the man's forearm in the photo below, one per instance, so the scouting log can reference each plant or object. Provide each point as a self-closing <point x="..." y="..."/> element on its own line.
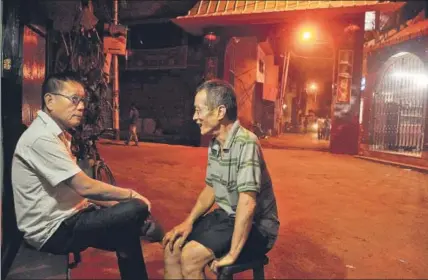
<point x="106" y="192"/>
<point x="243" y="222"/>
<point x="203" y="204"/>
<point x="96" y="190"/>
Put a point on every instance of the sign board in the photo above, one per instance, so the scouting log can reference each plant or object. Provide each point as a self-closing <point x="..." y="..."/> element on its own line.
<point x="344" y="76"/>
<point x="115" y="45"/>
<point x="157" y="59"/>
<point x="260" y="74"/>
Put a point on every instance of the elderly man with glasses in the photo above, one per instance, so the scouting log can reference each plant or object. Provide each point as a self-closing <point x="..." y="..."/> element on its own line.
<point x="57" y="205"/>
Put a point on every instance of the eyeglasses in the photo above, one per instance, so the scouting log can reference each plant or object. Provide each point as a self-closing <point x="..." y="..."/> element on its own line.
<point x="74" y="98"/>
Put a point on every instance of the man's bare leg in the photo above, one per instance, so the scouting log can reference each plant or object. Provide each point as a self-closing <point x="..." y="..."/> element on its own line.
<point x="172" y="260"/>
<point x="194" y="258"/>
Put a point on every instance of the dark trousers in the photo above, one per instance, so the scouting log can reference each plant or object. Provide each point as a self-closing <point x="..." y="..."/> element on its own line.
<point x="115" y="228"/>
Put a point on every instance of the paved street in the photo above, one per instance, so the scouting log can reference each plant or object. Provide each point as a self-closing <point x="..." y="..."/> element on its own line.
<point x="296" y="141"/>
<point x="341" y="217"/>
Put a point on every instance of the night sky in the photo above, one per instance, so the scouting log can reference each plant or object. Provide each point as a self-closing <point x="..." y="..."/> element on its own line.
<point x="412" y="8"/>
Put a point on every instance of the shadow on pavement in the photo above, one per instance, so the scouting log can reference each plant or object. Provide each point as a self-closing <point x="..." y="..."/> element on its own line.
<point x="304" y="259"/>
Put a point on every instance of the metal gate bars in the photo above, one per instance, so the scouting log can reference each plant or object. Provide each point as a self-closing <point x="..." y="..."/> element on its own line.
<point x="399" y="108"/>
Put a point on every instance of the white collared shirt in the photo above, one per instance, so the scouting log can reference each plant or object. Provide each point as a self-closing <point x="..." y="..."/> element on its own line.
<point x="41" y="163"/>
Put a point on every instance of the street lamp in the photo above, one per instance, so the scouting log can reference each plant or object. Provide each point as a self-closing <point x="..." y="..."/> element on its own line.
<point x="306" y="35"/>
<point x="313" y="86"/>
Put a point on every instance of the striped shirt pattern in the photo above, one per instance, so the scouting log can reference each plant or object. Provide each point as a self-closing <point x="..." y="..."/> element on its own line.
<point x="240" y="167"/>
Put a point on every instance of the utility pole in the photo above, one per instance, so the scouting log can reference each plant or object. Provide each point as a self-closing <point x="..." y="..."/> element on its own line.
<point x="285" y="66"/>
<point x="115" y="58"/>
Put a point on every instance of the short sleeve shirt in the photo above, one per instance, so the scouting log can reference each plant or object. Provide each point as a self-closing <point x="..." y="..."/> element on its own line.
<point x="41" y="163"/>
<point x="240" y="167"/>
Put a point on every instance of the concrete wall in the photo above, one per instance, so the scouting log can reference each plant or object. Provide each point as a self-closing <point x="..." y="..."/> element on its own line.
<point x="245" y="78"/>
<point x="270" y="87"/>
<point x="270" y="92"/>
<point x="289" y="102"/>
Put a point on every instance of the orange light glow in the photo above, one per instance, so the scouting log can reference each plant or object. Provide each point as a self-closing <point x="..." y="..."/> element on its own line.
<point x="306" y="35"/>
<point x="33" y="71"/>
<point x="313" y="86"/>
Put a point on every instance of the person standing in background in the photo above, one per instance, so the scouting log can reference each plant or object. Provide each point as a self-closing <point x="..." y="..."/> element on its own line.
<point x="133" y="119"/>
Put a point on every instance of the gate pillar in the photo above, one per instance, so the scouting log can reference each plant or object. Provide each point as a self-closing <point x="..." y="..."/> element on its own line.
<point x="347" y="88"/>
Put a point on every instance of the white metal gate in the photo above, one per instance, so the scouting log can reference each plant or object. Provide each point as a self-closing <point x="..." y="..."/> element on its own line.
<point x="399" y="109"/>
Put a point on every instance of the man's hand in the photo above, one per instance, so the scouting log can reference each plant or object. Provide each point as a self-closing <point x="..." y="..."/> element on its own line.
<point x="224" y="261"/>
<point x="177" y="234"/>
<point x="136" y="195"/>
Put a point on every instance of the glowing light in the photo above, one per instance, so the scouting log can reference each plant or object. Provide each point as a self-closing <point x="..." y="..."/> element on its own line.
<point x="7" y="64"/>
<point x="421" y="79"/>
<point x="210" y="37"/>
<point x="315" y="126"/>
<point x="399" y="54"/>
<point x="33" y="71"/>
<point x="306" y="35"/>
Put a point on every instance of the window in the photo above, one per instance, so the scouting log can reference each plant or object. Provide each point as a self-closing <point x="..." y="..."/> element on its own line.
<point x="370" y="21"/>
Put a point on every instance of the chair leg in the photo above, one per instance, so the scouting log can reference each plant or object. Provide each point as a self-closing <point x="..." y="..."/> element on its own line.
<point x="259" y="273"/>
<point x="76" y="261"/>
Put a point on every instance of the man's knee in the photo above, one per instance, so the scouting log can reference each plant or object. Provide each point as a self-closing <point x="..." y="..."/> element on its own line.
<point x="136" y="208"/>
<point x="172" y="256"/>
<point x="195" y="257"/>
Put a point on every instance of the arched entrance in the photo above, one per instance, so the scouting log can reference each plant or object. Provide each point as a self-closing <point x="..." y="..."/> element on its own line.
<point x="400" y="106"/>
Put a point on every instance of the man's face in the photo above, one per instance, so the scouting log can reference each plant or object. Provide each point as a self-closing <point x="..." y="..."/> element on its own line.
<point x="207" y="119"/>
<point x="67" y="105"/>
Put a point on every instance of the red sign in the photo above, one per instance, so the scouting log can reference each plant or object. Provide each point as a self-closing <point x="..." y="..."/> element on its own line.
<point x="115" y="45"/>
<point x="211" y="64"/>
<point x="344" y="76"/>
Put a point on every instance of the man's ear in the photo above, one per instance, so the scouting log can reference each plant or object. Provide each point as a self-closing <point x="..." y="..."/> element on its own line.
<point x="221" y="113"/>
<point x="49" y="100"/>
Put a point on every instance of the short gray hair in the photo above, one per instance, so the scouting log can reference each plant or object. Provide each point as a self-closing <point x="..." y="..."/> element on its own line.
<point x="219" y="93"/>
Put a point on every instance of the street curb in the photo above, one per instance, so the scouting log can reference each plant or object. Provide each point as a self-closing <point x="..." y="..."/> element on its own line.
<point x="264" y="146"/>
<point x="396" y="164"/>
